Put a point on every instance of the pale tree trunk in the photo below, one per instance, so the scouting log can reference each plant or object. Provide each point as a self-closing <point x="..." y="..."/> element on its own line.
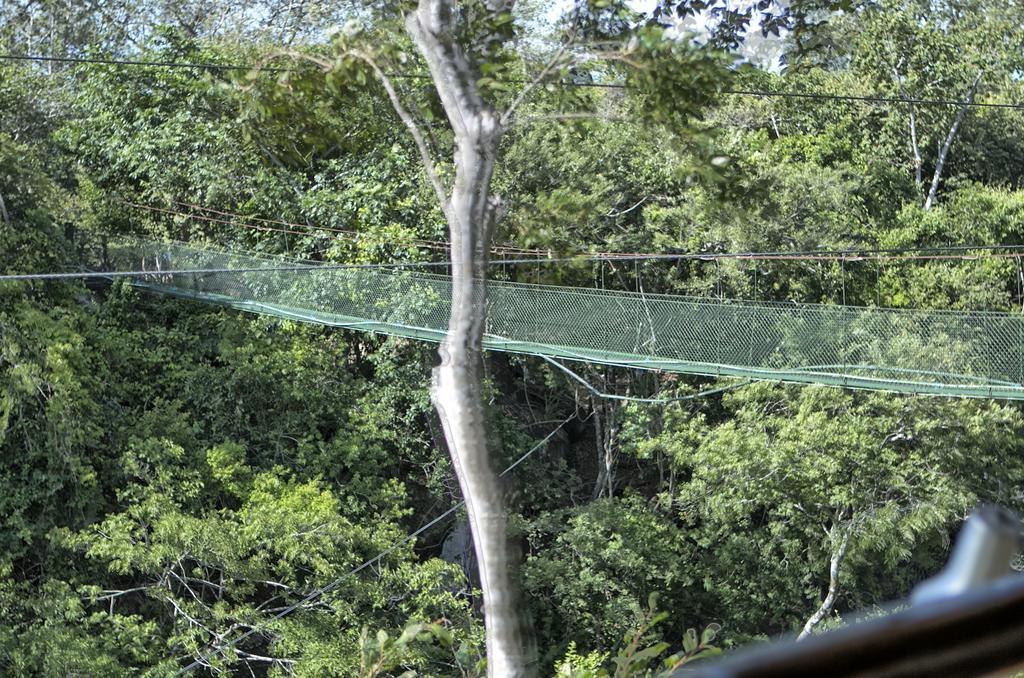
<point x="606" y="426"/>
<point x="598" y="447"/>
<point x="604" y="483"/>
<point x="472" y="213"/>
<point x="944" y="151"/>
<point x="914" y="146"/>
<point x="918" y="179"/>
<point x="838" y="555"/>
<point x="607" y="414"/>
<point x="3" y="211"/>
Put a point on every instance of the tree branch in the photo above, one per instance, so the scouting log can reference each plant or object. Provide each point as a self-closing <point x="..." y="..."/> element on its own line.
<point x="944" y="151"/>
<point x="112" y="594"/>
<point x="913" y="128"/>
<point x="838" y="555"/>
<point x="618" y="213"/>
<point x="249" y="656"/>
<point x="449" y="68"/>
<point x="414" y="130"/>
<point x="396" y="103"/>
<point x="552" y="63"/>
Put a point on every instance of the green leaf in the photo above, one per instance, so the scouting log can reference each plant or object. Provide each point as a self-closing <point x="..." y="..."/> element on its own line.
<point x="690" y="640"/>
<point x="710" y="632"/>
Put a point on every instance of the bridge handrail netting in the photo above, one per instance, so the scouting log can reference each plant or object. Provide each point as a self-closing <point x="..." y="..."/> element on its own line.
<point x="913" y="351"/>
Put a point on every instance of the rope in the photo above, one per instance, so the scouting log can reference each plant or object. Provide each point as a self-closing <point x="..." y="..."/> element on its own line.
<point x="839" y="255"/>
<point x="653" y="401"/>
<point x="598" y="85"/>
<point x="432" y="244"/>
<point x="133" y="62"/>
<point x="18" y="277"/>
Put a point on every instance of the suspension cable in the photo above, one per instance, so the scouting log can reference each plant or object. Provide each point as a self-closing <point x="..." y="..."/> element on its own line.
<point x="820" y="96"/>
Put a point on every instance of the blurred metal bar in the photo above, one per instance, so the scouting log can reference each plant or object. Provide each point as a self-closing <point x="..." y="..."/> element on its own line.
<point x="967" y="621"/>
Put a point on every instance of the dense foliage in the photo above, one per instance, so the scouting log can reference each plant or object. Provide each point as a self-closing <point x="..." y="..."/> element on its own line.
<point x="174" y="476"/>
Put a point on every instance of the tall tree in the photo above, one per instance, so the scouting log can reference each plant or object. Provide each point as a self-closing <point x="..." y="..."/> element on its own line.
<point x="469" y="51"/>
<point x="952" y="51"/>
<point x="58" y="28"/>
<point x="825" y="486"/>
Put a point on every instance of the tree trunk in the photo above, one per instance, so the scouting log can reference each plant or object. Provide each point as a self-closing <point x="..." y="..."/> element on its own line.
<point x="833" y="583"/>
<point x="598" y="448"/>
<point x="3" y="211"/>
<point x="611" y="430"/>
<point x="606" y="415"/>
<point x="914" y="145"/>
<point x="918" y="179"/>
<point x="472" y="212"/>
<point x="944" y="151"/>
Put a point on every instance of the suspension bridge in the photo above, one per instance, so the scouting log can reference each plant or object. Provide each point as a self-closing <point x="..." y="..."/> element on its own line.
<point x="945" y="353"/>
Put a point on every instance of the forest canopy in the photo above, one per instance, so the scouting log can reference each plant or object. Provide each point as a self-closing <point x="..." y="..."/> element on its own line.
<point x="190" y="486"/>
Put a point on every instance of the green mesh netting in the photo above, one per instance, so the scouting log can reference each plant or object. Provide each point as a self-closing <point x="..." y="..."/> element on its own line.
<point x="932" y="352"/>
